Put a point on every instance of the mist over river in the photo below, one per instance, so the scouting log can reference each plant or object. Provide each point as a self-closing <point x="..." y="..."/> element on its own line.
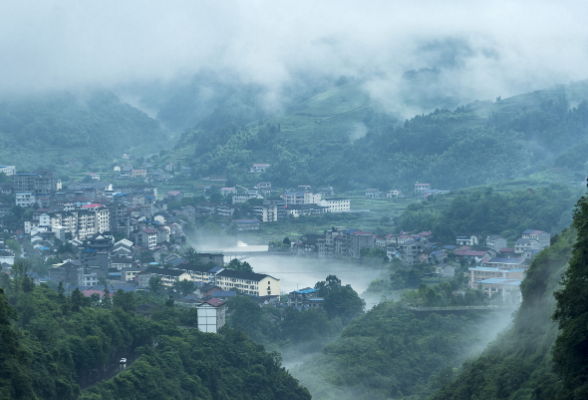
<point x="299" y="272"/>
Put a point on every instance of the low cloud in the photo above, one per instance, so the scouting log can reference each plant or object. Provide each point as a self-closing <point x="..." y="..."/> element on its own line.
<point x="479" y="49"/>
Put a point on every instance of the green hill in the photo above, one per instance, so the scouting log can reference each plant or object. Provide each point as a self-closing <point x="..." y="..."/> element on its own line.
<point x="47" y="130"/>
<point x="341" y="137"/>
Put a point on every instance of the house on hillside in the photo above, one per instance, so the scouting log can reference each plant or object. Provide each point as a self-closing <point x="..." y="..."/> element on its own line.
<point x="467" y="240"/>
<point x="258" y="168"/>
<point x="410" y="252"/>
<point x="522" y="245"/>
<point x="225" y="191"/>
<point x="421" y="187"/>
<point x="542" y="237"/>
<point x="211" y="315"/>
<point x="496" y="242"/>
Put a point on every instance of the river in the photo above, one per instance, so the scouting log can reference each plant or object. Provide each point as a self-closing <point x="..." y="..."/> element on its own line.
<point x="300" y="272"/>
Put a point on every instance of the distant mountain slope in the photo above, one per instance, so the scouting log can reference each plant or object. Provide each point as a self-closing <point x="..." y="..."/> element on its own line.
<point x="47" y="130"/>
<point x="342" y="137"/>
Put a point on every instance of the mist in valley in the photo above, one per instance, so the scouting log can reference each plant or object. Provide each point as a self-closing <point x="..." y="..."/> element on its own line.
<point x="450" y="138"/>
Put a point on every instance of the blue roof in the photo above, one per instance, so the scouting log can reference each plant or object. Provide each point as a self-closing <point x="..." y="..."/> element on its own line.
<point x="486" y="269"/>
<point x="506" y="260"/>
<point x="90" y="250"/>
<point x="307" y="291"/>
<point x="350" y="230"/>
<point x="449" y="247"/>
<point x="215" y="269"/>
<point x="26" y="174"/>
<point x="436" y="253"/>
<point x="529" y="231"/>
<point x="502" y="281"/>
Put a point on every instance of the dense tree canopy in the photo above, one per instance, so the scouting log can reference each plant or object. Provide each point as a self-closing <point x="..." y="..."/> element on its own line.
<point x="571" y="347"/>
<point x="486" y="212"/>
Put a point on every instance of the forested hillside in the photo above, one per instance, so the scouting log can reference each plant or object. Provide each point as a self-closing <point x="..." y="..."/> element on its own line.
<point x="486" y="212"/>
<point x="46" y="130"/>
<point x="391" y="352"/>
<point x="519" y="364"/>
<point x="52" y="343"/>
<point x="341" y="137"/>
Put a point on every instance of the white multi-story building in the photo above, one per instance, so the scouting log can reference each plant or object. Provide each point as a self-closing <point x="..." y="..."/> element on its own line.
<point x="421" y="187"/>
<point x="91" y="219"/>
<point x="44" y="219"/>
<point x="543" y="238"/>
<point x="9" y="170"/>
<point x="258" y="168"/>
<point x="90" y="279"/>
<point x="211" y="315"/>
<point x="312" y="198"/>
<point x="25" y="199"/>
<point x="337" y="204"/>
<point x="248" y="282"/>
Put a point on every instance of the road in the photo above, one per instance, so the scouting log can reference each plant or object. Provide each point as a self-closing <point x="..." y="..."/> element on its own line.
<point x="111" y="371"/>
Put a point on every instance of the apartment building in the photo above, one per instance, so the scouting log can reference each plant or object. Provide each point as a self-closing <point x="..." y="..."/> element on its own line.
<point x="25" y="199"/>
<point x="40" y="183"/>
<point x="337" y="204"/>
<point x="248" y="282"/>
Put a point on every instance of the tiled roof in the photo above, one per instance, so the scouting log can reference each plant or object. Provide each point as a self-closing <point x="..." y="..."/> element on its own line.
<point x="214" y="302"/>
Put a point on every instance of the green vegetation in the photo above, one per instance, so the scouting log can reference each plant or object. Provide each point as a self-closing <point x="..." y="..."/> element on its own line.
<point x="312" y="327"/>
<point x="53" y="343"/>
<point x="571" y="314"/>
<point x="519" y="364"/>
<point x="486" y="212"/>
<point x="195" y="365"/>
<point x="390" y="352"/>
<point x="338" y="137"/>
<point x="47" y="130"/>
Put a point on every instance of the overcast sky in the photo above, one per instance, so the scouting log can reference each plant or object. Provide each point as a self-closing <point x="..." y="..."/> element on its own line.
<point x="512" y="46"/>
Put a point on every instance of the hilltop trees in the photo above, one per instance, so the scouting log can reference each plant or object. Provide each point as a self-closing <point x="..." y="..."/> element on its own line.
<point x="15" y="380"/>
<point x="570" y="353"/>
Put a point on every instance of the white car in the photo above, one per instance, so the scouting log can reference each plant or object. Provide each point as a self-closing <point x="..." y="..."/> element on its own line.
<point x="123" y="360"/>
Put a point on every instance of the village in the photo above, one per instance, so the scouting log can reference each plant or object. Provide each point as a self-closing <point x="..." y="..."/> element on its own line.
<point x="94" y="233"/>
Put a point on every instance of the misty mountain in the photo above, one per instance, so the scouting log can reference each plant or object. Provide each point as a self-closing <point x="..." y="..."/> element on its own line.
<point x="341" y="137"/>
<point x="48" y="129"/>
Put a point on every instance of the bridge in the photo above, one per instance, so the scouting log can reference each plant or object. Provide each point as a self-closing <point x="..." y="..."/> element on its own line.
<point x="461" y="309"/>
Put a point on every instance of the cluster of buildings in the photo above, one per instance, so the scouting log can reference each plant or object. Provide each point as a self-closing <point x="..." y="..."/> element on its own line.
<point x="84" y="209"/>
<point x="271" y="206"/>
<point x="148" y="172"/>
<point x="496" y="267"/>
